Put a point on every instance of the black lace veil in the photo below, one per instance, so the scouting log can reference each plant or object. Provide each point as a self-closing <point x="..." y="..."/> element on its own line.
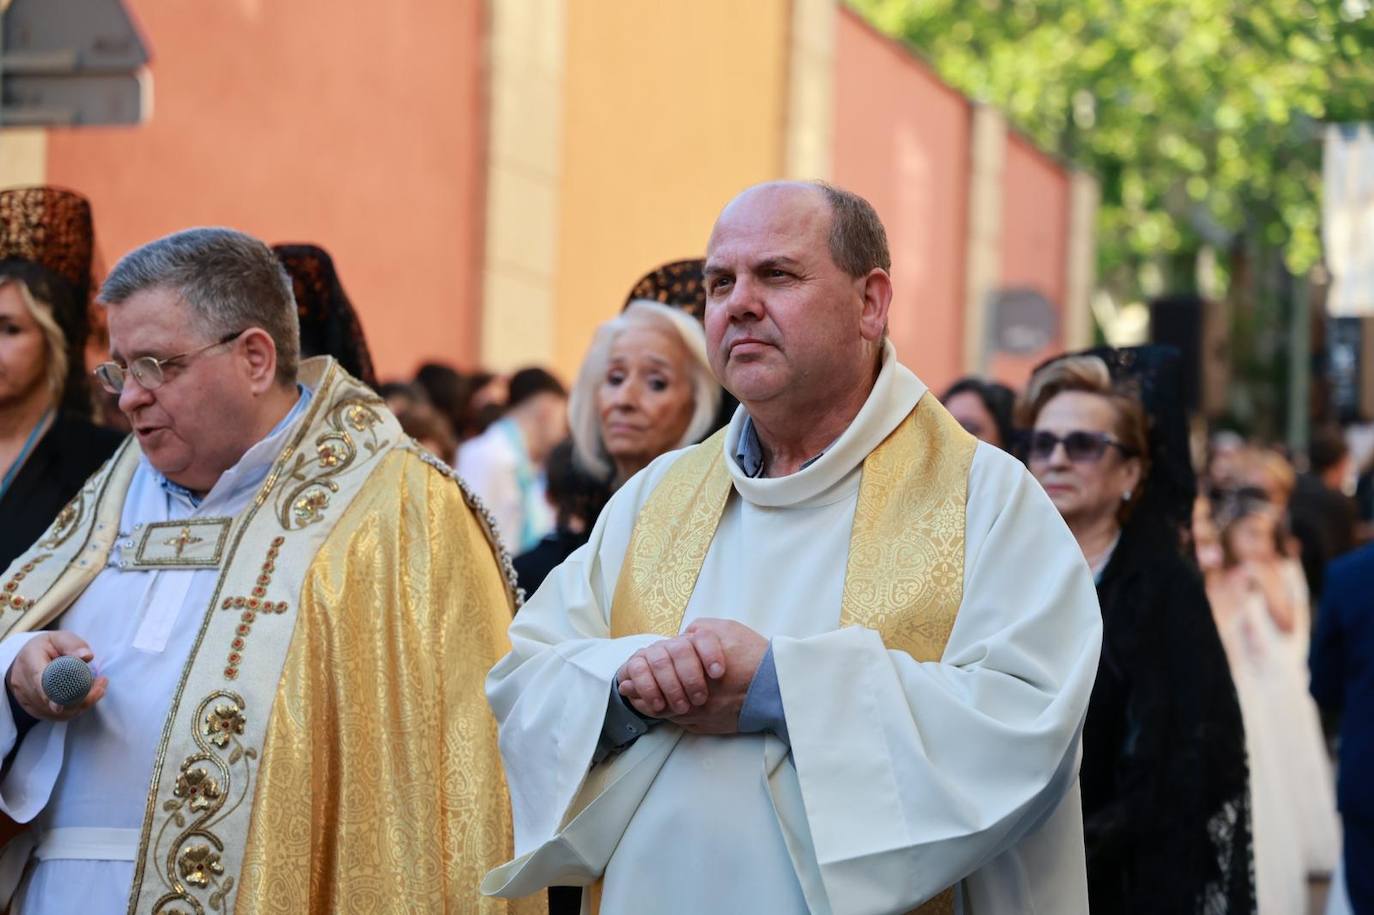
<point x="1200" y="781"/>
<point x="329" y="325"/>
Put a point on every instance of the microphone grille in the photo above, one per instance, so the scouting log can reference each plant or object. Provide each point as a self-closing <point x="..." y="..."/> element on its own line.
<point x="67" y="680"/>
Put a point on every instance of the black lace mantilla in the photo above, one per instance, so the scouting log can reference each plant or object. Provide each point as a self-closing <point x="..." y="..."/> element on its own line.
<point x="329" y="324"/>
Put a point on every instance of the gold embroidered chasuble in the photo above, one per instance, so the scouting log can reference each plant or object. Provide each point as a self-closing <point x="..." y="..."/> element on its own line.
<point x="905" y="570"/>
<point x="329" y="748"/>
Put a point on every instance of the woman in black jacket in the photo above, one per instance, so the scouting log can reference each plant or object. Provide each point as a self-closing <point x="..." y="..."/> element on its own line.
<point x="48" y="446"/>
<point x="1165" y="786"/>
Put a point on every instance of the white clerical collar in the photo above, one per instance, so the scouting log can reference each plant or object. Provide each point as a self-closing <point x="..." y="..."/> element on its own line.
<point x="835" y="473"/>
<point x="250" y="470"/>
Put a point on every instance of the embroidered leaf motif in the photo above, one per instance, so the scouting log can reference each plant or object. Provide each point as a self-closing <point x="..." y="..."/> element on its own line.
<point x="219" y="899"/>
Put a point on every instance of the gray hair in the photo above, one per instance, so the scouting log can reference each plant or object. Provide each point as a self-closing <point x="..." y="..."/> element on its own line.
<point x="589" y="452"/>
<point x="229" y="281"/>
<point x="858" y="241"/>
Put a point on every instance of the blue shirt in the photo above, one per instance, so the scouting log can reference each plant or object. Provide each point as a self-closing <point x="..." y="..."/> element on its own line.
<point x="749" y="451"/>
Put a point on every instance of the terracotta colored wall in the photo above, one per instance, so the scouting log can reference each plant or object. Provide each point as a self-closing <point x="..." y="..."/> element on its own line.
<point x="360" y="130"/>
<point x="670" y="108"/>
<point x="902" y="141"/>
<point x="1035" y="238"/>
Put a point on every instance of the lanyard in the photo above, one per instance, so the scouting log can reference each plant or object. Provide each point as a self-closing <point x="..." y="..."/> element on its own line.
<point x="23" y="454"/>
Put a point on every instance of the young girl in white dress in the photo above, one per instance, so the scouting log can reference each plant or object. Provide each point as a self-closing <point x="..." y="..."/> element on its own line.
<point x="1259" y="599"/>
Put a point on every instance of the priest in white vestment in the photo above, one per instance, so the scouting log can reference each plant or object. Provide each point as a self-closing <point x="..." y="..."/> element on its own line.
<point x="834" y="659"/>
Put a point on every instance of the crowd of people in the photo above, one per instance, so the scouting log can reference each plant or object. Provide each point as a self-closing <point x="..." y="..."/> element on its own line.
<point x="1206" y="777"/>
<point x="1202" y="741"/>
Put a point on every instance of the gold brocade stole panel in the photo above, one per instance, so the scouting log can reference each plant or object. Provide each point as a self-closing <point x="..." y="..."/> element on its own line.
<point x="201" y="795"/>
<point x="905" y="573"/>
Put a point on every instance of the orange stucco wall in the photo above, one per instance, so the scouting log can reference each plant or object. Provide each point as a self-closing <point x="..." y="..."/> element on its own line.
<point x="359" y="130"/>
<point x="1035" y="239"/>
<point x="670" y="109"/>
<point x="902" y="141"/>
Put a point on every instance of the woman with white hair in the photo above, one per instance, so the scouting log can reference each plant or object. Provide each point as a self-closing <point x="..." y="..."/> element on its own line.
<point x="645" y="388"/>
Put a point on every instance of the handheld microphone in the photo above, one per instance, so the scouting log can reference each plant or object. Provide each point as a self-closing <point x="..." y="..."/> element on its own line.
<point x="67" y="680"/>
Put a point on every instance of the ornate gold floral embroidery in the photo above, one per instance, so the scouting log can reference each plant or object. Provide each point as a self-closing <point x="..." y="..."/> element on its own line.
<point x="211" y="785"/>
<point x="9" y="596"/>
<point x="224" y="723"/>
<point x="197" y="787"/>
<point x="249" y="608"/>
<point x="199" y="865"/>
<point x="360" y="417"/>
<point x="308" y="507"/>
<point x="66" y="523"/>
<point x="351" y="424"/>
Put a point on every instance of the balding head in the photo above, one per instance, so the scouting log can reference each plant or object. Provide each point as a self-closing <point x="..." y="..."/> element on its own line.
<point x="794" y="311"/>
<point x="856" y="237"/>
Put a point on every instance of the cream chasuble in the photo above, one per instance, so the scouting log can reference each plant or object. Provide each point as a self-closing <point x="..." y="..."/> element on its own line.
<point x="326" y="748"/>
<point x="934" y="677"/>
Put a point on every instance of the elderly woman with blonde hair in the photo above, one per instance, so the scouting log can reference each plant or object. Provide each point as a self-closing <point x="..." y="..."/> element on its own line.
<point x="645" y="388"/>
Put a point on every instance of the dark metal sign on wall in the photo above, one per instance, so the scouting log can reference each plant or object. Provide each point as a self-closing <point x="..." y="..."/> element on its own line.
<point x="71" y="63"/>
<point x="1024" y="322"/>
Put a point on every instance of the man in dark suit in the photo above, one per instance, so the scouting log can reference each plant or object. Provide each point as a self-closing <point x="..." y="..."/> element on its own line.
<point x="1343" y="681"/>
<point x="1323" y="517"/>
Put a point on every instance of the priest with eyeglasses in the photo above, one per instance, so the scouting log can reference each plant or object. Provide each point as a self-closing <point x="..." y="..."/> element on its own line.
<point x="288" y="607"/>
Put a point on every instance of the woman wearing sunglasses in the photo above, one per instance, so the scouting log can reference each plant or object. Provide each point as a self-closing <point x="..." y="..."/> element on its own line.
<point x="1164" y="781"/>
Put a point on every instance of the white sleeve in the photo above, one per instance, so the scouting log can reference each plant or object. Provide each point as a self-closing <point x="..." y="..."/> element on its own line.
<point x="549" y="694"/>
<point x="915" y="774"/>
<point x="33" y="772"/>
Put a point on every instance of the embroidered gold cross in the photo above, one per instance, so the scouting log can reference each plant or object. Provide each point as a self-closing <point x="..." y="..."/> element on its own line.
<point x="251" y="607"/>
<point x="183" y="540"/>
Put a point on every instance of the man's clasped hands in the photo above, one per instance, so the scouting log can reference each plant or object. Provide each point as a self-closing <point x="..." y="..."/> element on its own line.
<point x="697" y="680"/>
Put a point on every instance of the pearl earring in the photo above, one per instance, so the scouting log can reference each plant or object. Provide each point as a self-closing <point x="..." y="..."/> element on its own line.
<point x="1126" y="496"/>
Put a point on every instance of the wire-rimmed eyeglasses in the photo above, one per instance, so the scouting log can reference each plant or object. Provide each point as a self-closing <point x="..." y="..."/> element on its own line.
<point x="147" y="370"/>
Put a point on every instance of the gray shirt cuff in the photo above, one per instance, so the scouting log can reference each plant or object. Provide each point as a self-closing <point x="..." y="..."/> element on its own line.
<point x="762" y="709"/>
<point x="621" y="727"/>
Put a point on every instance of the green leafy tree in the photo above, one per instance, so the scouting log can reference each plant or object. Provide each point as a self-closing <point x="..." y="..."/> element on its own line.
<point x="1200" y="118"/>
